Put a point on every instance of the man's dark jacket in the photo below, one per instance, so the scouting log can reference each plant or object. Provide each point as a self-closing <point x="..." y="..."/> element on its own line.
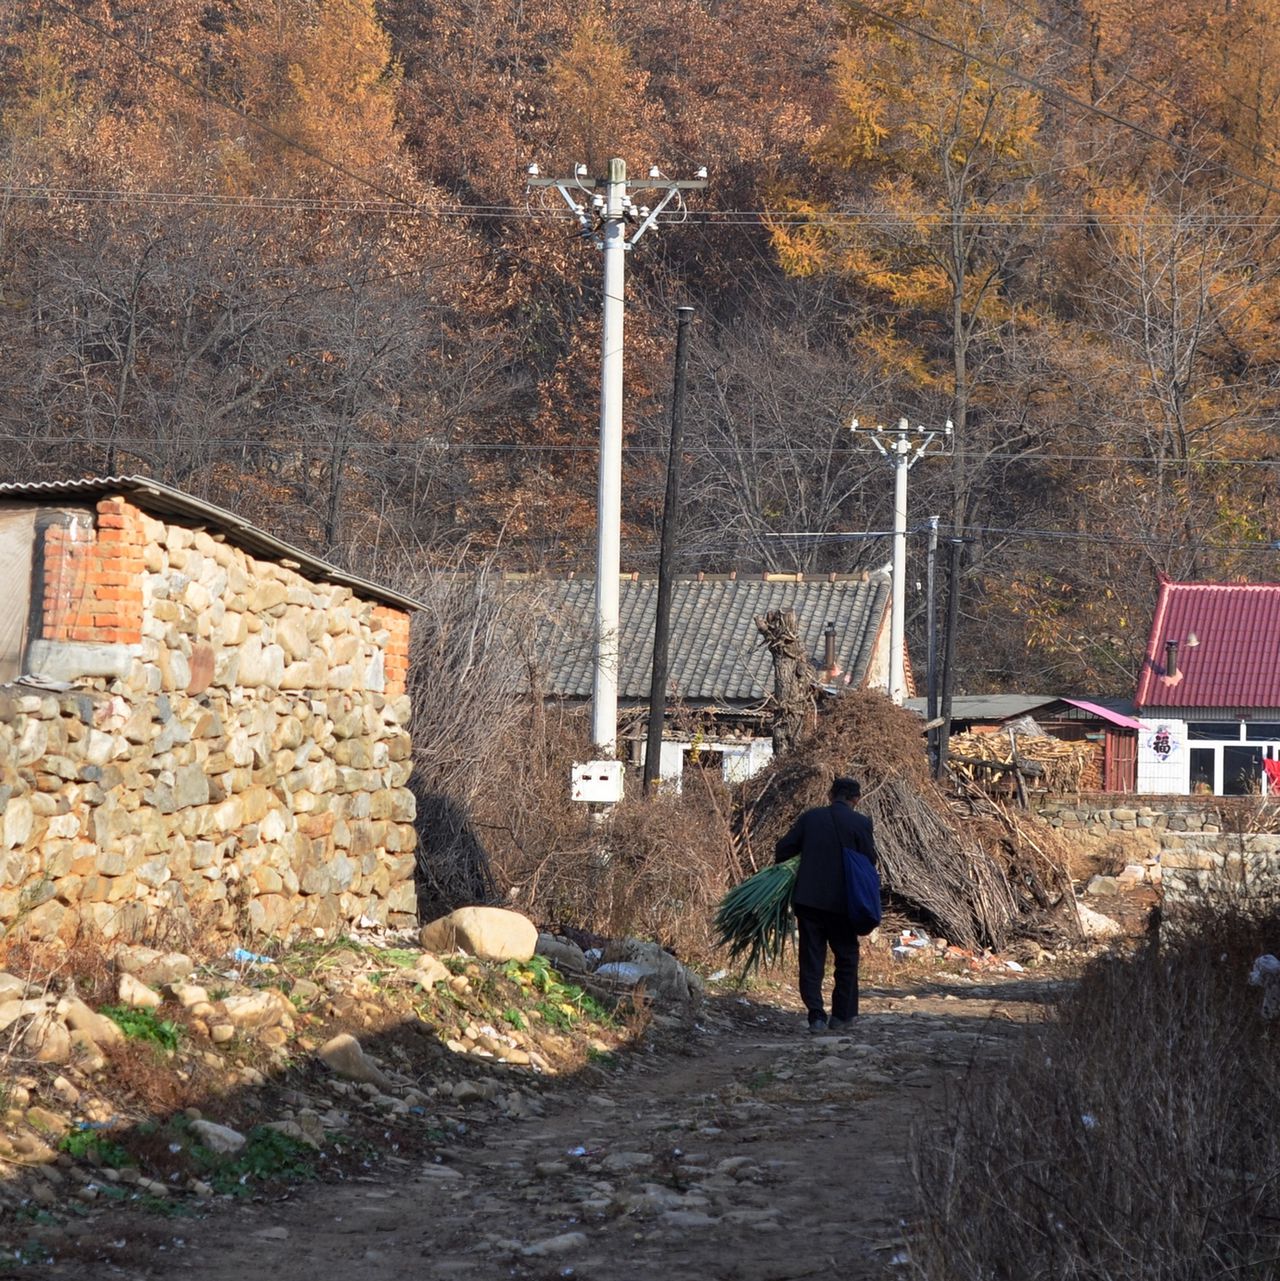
<point x="819" y="836"/>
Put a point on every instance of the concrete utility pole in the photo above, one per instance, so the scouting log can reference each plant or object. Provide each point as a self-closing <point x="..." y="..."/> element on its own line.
<point x="603" y="216"/>
<point x="903" y="446"/>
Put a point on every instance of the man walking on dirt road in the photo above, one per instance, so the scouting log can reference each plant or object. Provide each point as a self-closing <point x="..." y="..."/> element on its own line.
<point x="819" y="836"/>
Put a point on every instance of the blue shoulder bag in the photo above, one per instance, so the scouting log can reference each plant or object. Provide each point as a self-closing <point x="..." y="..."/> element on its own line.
<point x="861" y="885"/>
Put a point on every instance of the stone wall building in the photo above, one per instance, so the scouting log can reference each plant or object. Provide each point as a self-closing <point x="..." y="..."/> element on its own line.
<point x="200" y="726"/>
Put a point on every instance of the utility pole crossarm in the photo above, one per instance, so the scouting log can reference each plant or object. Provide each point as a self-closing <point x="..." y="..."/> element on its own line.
<point x="652" y="216"/>
<point x="604" y="219"/>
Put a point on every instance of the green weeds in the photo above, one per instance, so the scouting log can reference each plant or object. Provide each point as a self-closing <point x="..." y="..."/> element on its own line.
<point x="267" y="1156"/>
<point x="26" y="1256"/>
<point x="144" y="1025"/>
<point x="89" y="1145"/>
<point x="562" y="1004"/>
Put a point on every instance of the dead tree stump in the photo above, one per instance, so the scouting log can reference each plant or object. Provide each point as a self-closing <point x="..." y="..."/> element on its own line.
<point x="793" y="682"/>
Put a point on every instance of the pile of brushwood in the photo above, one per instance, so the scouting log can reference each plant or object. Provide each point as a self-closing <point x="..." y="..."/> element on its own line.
<point x="980" y="874"/>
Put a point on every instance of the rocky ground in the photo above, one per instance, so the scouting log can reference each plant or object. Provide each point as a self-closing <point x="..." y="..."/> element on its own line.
<point x="726" y="1145"/>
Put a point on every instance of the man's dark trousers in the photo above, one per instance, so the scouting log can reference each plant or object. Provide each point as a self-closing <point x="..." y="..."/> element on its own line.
<point x="818" y="931"/>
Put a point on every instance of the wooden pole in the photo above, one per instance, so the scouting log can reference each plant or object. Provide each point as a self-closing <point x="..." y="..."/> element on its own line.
<point x="666" y="558"/>
<point x="948" y="656"/>
<point x="931" y="626"/>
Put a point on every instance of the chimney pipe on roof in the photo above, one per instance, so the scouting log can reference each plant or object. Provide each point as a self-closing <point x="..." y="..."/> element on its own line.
<point x="1170" y="659"/>
<point x="829" y="652"/>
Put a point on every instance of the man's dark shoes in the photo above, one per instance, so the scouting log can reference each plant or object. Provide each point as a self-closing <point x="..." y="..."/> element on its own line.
<point x="817" y="1023"/>
<point x="842" y="1025"/>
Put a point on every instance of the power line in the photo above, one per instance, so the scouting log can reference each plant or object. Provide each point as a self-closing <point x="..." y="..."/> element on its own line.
<point x="107" y="34"/>
<point x="1048" y="90"/>
<point x="969" y="532"/>
<point x="215" y="200"/>
<point x="1254" y="150"/>
<point x="534" y="447"/>
<point x="706" y="217"/>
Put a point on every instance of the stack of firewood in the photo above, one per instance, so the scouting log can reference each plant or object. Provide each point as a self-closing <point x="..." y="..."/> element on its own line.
<point x="1047" y="762"/>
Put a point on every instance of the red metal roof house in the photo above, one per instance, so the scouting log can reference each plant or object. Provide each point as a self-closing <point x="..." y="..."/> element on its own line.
<point x="1208" y="697"/>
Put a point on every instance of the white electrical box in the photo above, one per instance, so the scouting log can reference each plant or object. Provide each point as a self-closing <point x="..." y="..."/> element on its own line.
<point x="597" y="782"/>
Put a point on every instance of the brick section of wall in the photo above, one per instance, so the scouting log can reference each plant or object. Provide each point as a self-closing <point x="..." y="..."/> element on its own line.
<point x="92" y="577"/>
<point x="396" y="623"/>
<point x="117" y="581"/>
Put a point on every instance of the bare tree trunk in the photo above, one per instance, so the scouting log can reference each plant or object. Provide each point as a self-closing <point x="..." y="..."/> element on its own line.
<point x="792" y="678"/>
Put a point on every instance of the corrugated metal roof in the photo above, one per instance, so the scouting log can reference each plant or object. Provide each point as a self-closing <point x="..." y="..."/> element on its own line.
<point x="716" y="653"/>
<point x="1228" y="637"/>
<point x="1003" y="707"/>
<point x="153" y="496"/>
<point x="987" y="707"/>
<point x="1123" y="719"/>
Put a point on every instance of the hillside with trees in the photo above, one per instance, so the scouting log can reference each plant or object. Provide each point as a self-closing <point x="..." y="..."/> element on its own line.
<point x="281" y="254"/>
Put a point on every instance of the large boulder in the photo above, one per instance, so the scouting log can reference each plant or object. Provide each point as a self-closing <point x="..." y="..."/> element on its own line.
<point x="1097" y="927"/>
<point x="11" y="987"/>
<point x="632" y="961"/>
<point x="255" y="1011"/>
<point x="345" y="1057"/>
<point x="133" y="991"/>
<point x="488" y="933"/>
<point x="47" y="1039"/>
<point x="567" y="957"/>
<point x="430" y="970"/>
<point x="218" y="1138"/>
<point x="156" y="969"/>
<point x="80" y="1018"/>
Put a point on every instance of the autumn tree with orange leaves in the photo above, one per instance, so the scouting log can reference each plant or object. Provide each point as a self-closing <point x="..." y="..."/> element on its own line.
<point x="281" y="254"/>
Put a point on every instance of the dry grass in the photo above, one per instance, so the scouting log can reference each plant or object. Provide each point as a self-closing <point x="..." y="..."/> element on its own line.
<point x="145" y="1080"/>
<point x="1134" y="1139"/>
<point x="83" y="958"/>
<point x="656" y="869"/>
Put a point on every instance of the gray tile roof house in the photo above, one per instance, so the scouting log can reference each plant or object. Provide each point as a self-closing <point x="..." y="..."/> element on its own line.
<point x="717" y="657"/>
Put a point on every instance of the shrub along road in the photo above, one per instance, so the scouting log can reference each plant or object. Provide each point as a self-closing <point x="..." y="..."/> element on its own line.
<point x="737" y="1148"/>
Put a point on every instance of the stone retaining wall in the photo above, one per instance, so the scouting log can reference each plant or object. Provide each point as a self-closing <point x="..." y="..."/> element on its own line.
<point x="1195" y="847"/>
<point x="234" y="750"/>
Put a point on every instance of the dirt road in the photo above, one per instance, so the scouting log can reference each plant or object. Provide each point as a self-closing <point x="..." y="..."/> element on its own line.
<point x="740" y="1149"/>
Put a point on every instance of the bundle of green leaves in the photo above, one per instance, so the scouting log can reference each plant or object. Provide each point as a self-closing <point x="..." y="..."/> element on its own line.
<point x="754" y="919"/>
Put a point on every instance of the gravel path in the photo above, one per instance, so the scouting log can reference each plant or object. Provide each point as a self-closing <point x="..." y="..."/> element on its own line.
<point x="740" y="1149"/>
